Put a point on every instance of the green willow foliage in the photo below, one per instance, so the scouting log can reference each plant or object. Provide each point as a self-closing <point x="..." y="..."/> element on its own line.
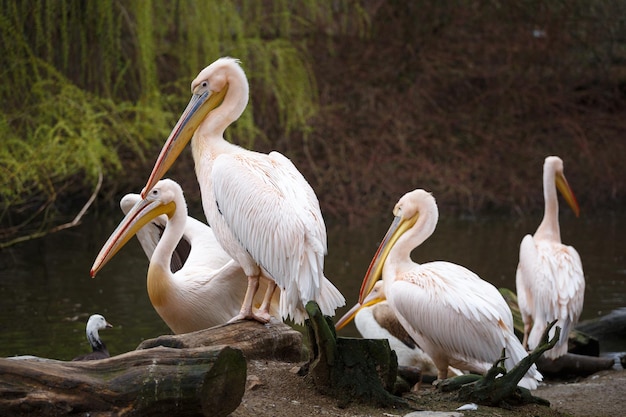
<point x="84" y="81"/>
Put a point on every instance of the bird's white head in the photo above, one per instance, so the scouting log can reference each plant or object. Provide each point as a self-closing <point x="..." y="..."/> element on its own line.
<point x="167" y="192"/>
<point x="97" y="322"/>
<point x="415" y="203"/>
<point x="218" y="76"/>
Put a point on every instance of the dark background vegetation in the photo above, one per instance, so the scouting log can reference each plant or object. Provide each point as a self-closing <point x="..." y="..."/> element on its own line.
<point x="370" y="99"/>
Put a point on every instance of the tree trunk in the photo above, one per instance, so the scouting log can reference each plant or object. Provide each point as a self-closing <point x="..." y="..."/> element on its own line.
<point x="350" y="369"/>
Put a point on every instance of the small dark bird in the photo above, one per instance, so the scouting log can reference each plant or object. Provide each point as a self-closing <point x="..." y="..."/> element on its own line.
<point x="99" y="350"/>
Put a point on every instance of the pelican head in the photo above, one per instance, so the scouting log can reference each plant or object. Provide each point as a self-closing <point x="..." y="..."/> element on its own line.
<point x="208" y="91"/>
<point x="411" y="207"/>
<point x="555" y="164"/>
<point x="162" y="199"/>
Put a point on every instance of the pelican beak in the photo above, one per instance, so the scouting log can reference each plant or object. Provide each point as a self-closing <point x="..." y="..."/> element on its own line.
<point x="141" y="214"/>
<point x="108" y="325"/>
<point x="566" y="192"/>
<point x="199" y="106"/>
<point x="371" y="299"/>
<point x="375" y="270"/>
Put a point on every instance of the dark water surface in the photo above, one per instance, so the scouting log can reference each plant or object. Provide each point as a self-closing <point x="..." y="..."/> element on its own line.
<point x="47" y="294"/>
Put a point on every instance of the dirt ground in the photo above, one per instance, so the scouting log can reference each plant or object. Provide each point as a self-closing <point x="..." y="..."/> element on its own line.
<point x="274" y="389"/>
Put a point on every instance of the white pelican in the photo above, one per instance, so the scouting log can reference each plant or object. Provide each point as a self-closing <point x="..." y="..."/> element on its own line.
<point x="457" y="318"/>
<point x="98" y="348"/>
<point x="206" y="287"/>
<point x="262" y="210"/>
<point x="550" y="281"/>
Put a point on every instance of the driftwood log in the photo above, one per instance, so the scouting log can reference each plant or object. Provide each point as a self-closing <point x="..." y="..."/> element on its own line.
<point x="194" y="374"/>
<point x="275" y="340"/>
<point x="155" y="382"/>
<point x="583" y="350"/>
<point x="572" y="364"/>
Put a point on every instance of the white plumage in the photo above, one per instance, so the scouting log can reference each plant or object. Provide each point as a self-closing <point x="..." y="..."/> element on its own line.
<point x="457" y="318"/>
<point x="263" y="212"/>
<point x="550" y="280"/>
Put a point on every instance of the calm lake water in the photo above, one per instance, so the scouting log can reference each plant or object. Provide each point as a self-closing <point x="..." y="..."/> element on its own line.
<point x="47" y="294"/>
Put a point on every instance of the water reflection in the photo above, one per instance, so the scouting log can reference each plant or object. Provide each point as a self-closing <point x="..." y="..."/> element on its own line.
<point x="48" y="295"/>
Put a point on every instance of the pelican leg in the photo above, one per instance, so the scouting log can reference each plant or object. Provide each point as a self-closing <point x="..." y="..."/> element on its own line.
<point x="527" y="327"/>
<point x="264" y="310"/>
<point x="442" y="374"/>
<point x="246" y="307"/>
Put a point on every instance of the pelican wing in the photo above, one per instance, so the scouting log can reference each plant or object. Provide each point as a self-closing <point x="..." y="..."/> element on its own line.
<point x="203" y="242"/>
<point x="553" y="273"/>
<point x="560" y="281"/>
<point x="285" y="211"/>
<point x="575" y="285"/>
<point x="459" y="313"/>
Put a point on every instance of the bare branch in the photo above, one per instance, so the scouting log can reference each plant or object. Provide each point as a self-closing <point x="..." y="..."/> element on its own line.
<point x="74" y="222"/>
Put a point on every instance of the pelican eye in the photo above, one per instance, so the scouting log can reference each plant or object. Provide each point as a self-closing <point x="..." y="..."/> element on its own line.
<point x="204" y="84"/>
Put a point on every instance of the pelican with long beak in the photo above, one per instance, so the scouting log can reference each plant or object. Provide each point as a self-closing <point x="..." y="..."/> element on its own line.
<point x="457" y="318"/>
<point x="264" y="213"/>
<point x="191" y="290"/>
<point x="550" y="280"/>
